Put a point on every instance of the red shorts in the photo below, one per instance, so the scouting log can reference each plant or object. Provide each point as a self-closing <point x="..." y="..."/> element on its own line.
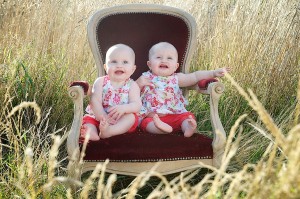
<point x="90" y="120"/>
<point x="174" y="120"/>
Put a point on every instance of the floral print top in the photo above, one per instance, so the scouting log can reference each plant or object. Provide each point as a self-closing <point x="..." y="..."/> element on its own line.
<point x="165" y="98"/>
<point x="112" y="96"/>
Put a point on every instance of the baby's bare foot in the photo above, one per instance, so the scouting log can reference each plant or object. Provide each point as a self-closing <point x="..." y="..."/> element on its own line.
<point x="161" y="125"/>
<point x="191" y="127"/>
<point x="82" y="131"/>
<point x="87" y="132"/>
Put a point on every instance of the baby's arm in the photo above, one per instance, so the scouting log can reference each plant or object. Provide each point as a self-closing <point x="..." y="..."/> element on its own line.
<point x="133" y="106"/>
<point x="96" y="99"/>
<point x="185" y="80"/>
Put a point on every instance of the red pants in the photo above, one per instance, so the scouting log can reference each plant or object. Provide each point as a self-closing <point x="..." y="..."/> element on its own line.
<point x="90" y="120"/>
<point x="174" y="120"/>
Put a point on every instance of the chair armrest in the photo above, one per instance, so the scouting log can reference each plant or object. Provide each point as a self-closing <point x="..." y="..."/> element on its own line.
<point x="215" y="90"/>
<point x="85" y="86"/>
<point x="202" y="85"/>
<point x="77" y="93"/>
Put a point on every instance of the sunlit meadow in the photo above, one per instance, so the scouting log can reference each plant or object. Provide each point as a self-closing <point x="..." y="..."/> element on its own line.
<point x="43" y="47"/>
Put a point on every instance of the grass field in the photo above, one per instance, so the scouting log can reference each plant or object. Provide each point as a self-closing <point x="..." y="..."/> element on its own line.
<point x="43" y="47"/>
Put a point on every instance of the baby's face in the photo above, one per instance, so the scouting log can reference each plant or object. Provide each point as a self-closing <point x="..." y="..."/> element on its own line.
<point x="163" y="60"/>
<point x="120" y="64"/>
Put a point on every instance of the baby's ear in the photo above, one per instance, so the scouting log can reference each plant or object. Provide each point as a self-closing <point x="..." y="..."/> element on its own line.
<point x="105" y="67"/>
<point x="148" y="64"/>
<point x="134" y="68"/>
<point x="177" y="65"/>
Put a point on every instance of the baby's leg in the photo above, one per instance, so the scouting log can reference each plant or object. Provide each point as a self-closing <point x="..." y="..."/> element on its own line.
<point x="161" y="125"/>
<point x="91" y="130"/>
<point x="122" y="126"/>
<point x="158" y="126"/>
<point x="189" y="126"/>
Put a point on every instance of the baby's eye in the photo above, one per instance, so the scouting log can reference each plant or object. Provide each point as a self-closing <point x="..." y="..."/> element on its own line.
<point x="125" y="62"/>
<point x="170" y="58"/>
<point x="113" y="61"/>
<point x="158" y="57"/>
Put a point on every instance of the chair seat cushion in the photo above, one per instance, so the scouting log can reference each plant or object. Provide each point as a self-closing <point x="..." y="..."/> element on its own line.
<point x="146" y="147"/>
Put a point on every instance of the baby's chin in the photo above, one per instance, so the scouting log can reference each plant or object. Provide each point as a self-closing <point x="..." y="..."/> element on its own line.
<point x="162" y="74"/>
<point x="119" y="78"/>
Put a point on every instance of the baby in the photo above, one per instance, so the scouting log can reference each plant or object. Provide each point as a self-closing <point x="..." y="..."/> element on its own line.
<point x="163" y="108"/>
<point x="115" y="98"/>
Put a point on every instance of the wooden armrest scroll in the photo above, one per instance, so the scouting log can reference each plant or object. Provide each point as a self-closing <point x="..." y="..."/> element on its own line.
<point x="83" y="84"/>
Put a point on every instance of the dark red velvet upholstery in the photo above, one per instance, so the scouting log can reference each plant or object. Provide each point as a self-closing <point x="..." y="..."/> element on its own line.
<point x="203" y="84"/>
<point x="145" y="147"/>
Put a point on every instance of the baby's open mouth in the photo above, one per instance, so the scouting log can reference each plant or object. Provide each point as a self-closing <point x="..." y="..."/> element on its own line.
<point x="163" y="66"/>
<point x="119" y="72"/>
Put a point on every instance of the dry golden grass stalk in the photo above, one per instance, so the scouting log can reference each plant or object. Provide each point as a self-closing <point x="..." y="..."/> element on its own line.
<point x="89" y="182"/>
<point x="220" y="175"/>
<point x="23" y="105"/>
<point x="30" y="173"/>
<point x="140" y="181"/>
<point x="108" y="187"/>
<point x="100" y="187"/>
<point x="232" y="134"/>
<point x="263" y="114"/>
<point x="52" y="158"/>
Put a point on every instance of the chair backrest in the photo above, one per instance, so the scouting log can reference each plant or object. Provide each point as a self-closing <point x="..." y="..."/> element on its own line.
<point x="140" y="26"/>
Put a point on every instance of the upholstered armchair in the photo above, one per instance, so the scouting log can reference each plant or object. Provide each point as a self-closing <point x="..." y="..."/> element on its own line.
<point x="140" y="26"/>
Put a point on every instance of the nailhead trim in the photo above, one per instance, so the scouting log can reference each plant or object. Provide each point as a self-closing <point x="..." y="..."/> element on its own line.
<point x="155" y="160"/>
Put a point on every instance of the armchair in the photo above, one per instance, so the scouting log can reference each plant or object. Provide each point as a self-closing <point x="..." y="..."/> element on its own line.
<point x="140" y="26"/>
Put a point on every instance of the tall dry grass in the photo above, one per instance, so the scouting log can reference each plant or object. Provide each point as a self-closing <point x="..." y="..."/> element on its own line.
<point x="33" y="171"/>
<point x="44" y="47"/>
<point x="258" y="39"/>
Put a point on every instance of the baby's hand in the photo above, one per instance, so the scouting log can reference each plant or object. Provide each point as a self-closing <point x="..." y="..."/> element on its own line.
<point x="116" y="112"/>
<point x="220" y="72"/>
<point x="107" y="119"/>
<point x="144" y="81"/>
